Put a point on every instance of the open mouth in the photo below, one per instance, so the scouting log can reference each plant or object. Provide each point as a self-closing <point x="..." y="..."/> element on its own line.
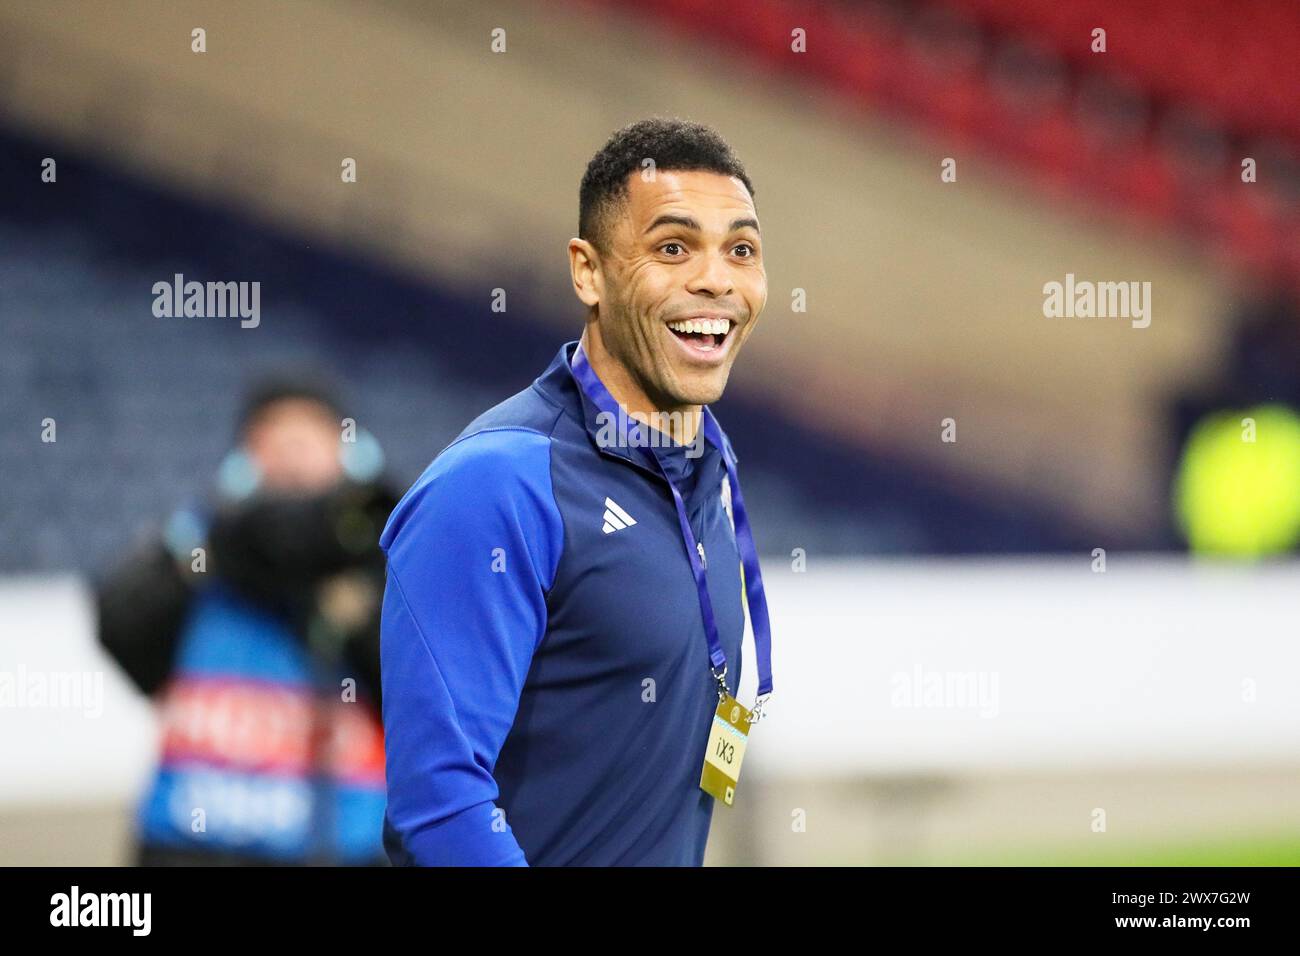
<point x="702" y="335"/>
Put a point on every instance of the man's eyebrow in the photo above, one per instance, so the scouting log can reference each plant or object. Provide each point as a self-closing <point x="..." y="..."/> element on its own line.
<point x="686" y="222"/>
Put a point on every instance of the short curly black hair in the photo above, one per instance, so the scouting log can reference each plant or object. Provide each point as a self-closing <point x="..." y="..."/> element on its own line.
<point x="673" y="144"/>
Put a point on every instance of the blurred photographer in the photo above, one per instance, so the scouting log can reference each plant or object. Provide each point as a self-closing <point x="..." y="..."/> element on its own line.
<point x="253" y="620"/>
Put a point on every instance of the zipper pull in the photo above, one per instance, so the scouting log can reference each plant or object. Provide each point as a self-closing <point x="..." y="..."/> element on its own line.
<point x="704" y="563"/>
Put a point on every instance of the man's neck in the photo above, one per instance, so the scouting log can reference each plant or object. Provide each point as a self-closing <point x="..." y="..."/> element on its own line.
<point x="680" y="422"/>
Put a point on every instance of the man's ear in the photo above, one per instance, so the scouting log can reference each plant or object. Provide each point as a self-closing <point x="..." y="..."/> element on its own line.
<point x="585" y="270"/>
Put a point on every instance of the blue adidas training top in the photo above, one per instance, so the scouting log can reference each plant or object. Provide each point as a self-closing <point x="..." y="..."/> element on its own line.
<point x="547" y="696"/>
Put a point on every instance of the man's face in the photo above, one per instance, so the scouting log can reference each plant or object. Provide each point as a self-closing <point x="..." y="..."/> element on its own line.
<point x="682" y="284"/>
<point x="295" y="444"/>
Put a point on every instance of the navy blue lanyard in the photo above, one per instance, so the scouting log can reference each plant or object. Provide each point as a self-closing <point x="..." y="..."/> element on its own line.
<point x="599" y="395"/>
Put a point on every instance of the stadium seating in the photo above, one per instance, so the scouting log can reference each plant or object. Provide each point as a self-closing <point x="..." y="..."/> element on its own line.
<point x="1156" y="127"/>
<point x="144" y="406"/>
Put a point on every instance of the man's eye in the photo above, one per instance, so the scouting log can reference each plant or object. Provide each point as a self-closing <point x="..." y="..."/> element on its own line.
<point x="668" y="247"/>
<point x="748" y="247"/>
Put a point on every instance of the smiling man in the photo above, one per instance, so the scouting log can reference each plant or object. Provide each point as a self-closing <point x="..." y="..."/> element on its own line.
<point x="565" y="603"/>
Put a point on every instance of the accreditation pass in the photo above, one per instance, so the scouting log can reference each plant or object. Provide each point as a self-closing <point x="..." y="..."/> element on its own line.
<point x="726" y="750"/>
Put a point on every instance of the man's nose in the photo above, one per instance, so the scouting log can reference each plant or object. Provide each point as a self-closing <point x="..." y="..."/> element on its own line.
<point x="713" y="277"/>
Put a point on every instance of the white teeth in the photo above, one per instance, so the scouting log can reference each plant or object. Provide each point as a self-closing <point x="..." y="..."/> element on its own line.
<point x="701" y="326"/>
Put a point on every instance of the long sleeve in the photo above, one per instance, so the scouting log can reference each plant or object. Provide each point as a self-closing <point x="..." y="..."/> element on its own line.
<point x="472" y="552"/>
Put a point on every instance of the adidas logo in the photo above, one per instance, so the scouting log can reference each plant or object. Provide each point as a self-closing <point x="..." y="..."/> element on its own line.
<point x="616" y="519"/>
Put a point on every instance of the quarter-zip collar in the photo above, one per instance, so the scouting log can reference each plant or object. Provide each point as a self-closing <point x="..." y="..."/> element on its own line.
<point x="558" y="384"/>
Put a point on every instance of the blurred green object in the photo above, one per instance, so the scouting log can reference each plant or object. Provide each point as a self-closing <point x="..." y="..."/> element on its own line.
<point x="1237" y="490"/>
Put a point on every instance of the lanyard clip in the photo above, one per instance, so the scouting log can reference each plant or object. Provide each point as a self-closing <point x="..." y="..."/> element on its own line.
<point x="721" y="677"/>
<point x="756" y="712"/>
